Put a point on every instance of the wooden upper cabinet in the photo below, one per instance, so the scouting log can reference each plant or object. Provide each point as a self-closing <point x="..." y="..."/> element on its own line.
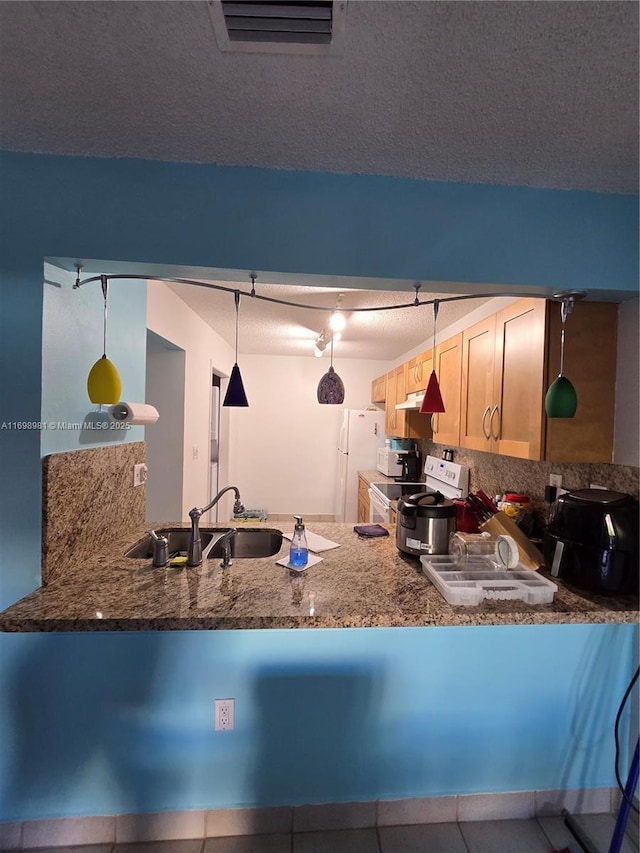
<point x="590" y="352"/>
<point x="448" y="367"/>
<point x="478" y="360"/>
<point x="403" y="423"/>
<point x="379" y="389"/>
<point x="516" y="420"/>
<point x="390" y="414"/>
<point x="508" y="362"/>
<point x="417" y="371"/>
<point x="503" y="368"/>
<point x="494" y="376"/>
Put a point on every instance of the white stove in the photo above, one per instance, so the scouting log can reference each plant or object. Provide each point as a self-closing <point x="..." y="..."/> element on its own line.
<point x="448" y="478"/>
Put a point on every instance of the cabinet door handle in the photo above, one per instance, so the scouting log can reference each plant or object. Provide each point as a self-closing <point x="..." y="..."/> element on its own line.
<point x="433" y="428"/>
<point x="486" y="434"/>
<point x="493" y="412"/>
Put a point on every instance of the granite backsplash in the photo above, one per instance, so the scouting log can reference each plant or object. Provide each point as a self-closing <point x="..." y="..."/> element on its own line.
<point x="86" y="496"/>
<point x="496" y="474"/>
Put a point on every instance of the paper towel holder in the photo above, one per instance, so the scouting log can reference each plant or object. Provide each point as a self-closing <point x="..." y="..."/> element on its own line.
<point x="133" y="413"/>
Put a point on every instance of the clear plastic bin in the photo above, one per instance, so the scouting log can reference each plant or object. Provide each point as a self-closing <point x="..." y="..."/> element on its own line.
<point x="479" y="580"/>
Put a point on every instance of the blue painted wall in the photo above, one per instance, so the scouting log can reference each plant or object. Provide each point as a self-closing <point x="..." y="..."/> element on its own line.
<point x="321" y="716"/>
<point x="510" y="702"/>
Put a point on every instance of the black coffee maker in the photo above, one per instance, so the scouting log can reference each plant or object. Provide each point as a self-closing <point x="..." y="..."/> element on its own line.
<point x="410" y="466"/>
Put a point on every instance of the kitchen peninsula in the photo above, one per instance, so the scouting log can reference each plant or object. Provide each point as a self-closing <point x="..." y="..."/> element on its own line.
<point x="363" y="583"/>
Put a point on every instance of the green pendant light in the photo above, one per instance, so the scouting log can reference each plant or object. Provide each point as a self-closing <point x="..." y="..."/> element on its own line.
<point x="103" y="383"/>
<point x="562" y="400"/>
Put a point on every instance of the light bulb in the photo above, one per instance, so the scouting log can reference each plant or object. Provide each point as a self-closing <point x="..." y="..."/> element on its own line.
<point x="336" y="336"/>
<point x="337" y="322"/>
<point x="317" y="351"/>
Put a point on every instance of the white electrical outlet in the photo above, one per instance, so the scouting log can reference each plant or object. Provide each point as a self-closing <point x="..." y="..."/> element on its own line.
<point x="555" y="480"/>
<point x="224" y="715"/>
<point x="194" y="451"/>
<point x="139" y="474"/>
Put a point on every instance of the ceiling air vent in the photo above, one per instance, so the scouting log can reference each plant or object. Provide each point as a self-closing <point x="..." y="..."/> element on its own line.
<point x="262" y="26"/>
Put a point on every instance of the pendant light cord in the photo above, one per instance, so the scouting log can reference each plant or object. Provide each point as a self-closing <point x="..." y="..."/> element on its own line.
<point x="565" y="309"/>
<point x="105" y="288"/>
<point x="236" y="296"/>
<point x="436" y="308"/>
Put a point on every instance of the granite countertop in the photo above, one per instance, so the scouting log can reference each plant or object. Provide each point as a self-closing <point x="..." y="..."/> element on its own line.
<point x="363" y="583"/>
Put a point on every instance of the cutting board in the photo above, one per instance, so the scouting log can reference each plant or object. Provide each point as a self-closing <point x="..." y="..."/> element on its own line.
<point x="500" y="524"/>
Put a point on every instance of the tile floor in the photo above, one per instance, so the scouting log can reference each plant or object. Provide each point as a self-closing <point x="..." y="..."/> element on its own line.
<point x="541" y="835"/>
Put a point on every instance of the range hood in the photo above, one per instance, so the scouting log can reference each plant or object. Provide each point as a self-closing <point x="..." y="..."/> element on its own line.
<point x="413" y="401"/>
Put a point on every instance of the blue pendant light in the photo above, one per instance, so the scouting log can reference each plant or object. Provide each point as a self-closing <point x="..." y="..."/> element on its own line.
<point x="561" y="400"/>
<point x="236" y="395"/>
<point x="331" y="387"/>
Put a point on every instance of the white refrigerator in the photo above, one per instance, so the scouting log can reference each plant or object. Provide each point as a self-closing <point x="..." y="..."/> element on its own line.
<point x="361" y="434"/>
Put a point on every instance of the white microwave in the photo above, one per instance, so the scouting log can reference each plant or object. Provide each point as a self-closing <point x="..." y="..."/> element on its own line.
<point x="389" y="461"/>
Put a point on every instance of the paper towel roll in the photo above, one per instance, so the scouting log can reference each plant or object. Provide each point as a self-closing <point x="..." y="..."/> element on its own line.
<point x="133" y="413"/>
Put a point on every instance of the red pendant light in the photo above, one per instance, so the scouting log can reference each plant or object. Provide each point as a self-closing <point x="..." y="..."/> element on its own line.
<point x="432" y="401"/>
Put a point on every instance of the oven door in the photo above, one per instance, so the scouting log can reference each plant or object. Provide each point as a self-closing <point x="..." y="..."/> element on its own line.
<point x="378" y="508"/>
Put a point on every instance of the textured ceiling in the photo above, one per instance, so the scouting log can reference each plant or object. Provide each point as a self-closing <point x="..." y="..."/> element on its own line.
<point x="531" y="93"/>
<point x="267" y="327"/>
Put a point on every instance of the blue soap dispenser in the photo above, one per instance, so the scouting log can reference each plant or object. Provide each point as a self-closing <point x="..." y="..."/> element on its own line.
<point x="299" y="551"/>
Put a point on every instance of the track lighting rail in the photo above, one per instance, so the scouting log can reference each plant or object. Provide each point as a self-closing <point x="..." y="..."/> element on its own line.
<point x="254" y="295"/>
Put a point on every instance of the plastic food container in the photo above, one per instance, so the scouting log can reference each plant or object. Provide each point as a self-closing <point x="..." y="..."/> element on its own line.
<point x="500" y="552"/>
<point x="514" y="502"/>
<point x="480" y="581"/>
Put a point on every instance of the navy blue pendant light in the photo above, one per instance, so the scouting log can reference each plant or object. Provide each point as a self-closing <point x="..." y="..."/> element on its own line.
<point x="236" y="395"/>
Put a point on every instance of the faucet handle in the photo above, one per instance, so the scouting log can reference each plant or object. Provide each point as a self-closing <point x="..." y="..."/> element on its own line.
<point x="160" y="549"/>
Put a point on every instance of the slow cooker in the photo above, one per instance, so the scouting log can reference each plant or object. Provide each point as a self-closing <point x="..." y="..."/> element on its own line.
<point x="424" y="523"/>
<point x="591" y="541"/>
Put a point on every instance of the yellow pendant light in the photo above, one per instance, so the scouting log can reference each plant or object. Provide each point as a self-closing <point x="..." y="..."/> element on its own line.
<point x="103" y="383"/>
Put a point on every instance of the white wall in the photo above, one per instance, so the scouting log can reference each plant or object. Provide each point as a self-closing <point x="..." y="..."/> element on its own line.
<point x="284" y="451"/>
<point x="165" y="439"/>
<point x="169" y="317"/>
<point x="627" y="438"/>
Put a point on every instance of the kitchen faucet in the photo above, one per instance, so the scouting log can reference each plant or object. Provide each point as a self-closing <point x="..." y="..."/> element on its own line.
<point x="194" y="554"/>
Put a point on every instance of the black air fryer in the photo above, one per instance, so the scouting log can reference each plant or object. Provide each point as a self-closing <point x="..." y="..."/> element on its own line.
<point x="591" y="541"/>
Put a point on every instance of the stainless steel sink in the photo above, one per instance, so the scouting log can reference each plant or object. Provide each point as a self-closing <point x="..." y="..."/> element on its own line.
<point x="178" y="542"/>
<point x="248" y="543"/>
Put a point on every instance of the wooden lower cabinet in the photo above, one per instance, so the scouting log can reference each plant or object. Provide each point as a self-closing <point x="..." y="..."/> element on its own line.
<point x="363" y="501"/>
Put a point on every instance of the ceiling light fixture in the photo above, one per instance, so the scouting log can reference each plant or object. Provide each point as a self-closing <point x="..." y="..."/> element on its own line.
<point x="331" y="387"/>
<point x="432" y="401"/>
<point x="235" y="395"/>
<point x="103" y="383"/>
<point x="337" y="321"/>
<point x="321" y="343"/>
<point x="562" y="400"/>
